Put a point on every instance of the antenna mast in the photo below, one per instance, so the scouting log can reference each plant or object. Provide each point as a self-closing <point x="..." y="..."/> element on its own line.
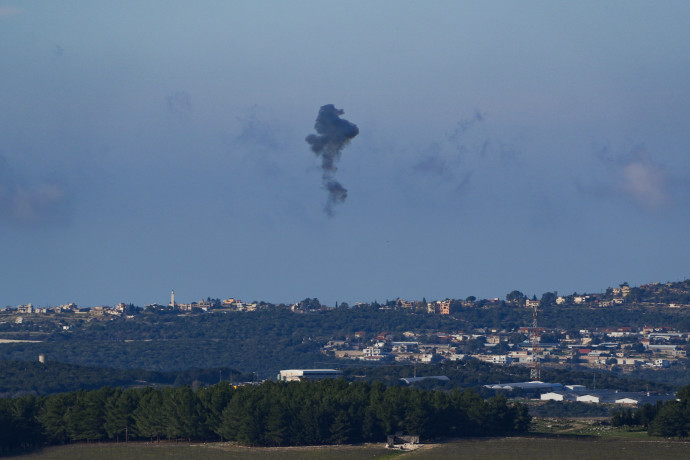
<point x="535" y="371"/>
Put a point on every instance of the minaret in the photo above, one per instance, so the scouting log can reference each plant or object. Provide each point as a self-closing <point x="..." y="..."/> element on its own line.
<point x="172" y="298"/>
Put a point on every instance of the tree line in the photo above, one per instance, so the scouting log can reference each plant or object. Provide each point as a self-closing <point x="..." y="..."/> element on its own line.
<point x="269" y="414"/>
<point x="668" y="419"/>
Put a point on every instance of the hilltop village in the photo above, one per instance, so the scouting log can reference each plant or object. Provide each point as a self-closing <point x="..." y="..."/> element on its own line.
<point x="621" y="348"/>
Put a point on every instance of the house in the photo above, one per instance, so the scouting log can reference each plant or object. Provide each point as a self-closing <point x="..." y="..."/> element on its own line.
<point x="501" y="359"/>
<point x="405" y="347"/>
<point x="662" y="363"/>
<point x="531" y="303"/>
<point x="348" y="354"/>
<point x="628" y="361"/>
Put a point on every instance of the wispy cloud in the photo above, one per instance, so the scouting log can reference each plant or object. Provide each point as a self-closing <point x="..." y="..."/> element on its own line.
<point x="433" y="162"/>
<point x="637" y="177"/>
<point x="27" y="203"/>
<point x="647" y="183"/>
<point x="257" y="130"/>
<point x="31" y="205"/>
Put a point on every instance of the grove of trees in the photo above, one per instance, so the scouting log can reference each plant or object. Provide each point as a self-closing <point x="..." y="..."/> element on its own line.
<point x="269" y="414"/>
<point x="669" y="419"/>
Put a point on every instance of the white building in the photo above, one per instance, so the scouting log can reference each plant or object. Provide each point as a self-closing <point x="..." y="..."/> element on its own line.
<point x="558" y="396"/>
<point x="296" y="375"/>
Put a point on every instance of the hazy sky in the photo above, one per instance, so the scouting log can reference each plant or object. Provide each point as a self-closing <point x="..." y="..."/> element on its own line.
<point x="146" y="146"/>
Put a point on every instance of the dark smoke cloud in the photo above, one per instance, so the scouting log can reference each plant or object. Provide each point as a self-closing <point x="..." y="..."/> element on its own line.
<point x="334" y="133"/>
<point x="448" y="161"/>
<point x="464" y="125"/>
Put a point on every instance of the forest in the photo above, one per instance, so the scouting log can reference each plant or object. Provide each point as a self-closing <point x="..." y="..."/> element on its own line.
<point x="269" y="414"/>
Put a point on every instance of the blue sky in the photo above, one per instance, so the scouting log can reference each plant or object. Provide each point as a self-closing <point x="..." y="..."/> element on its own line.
<point x="146" y="146"/>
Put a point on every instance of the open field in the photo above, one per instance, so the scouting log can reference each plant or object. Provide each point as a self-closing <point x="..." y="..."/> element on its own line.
<point x="211" y="451"/>
<point x="489" y="449"/>
<point x="555" y="448"/>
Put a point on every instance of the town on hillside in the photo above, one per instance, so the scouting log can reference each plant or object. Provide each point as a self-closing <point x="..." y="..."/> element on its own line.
<point x="623" y="348"/>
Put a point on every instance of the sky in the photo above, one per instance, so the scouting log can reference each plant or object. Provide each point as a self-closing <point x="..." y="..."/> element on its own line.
<point x="147" y="146"/>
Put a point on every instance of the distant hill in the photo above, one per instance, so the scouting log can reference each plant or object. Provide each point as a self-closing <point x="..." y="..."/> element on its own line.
<point x="21" y="377"/>
<point x="273" y="338"/>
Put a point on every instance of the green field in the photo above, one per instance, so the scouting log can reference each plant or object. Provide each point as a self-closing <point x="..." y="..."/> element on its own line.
<point x="489" y="449"/>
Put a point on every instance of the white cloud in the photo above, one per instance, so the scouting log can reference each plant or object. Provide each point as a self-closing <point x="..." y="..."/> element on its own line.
<point x="637" y="178"/>
<point x="646" y="183"/>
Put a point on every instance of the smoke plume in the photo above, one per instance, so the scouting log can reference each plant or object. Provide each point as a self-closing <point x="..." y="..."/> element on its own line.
<point x="334" y="133"/>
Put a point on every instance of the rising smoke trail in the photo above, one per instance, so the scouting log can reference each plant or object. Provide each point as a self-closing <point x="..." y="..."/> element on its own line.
<point x="334" y="133"/>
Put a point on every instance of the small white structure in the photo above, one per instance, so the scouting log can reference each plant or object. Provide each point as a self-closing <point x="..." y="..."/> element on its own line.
<point x="589" y="399"/>
<point x="630" y="401"/>
<point x="558" y="396"/>
<point x="296" y="375"/>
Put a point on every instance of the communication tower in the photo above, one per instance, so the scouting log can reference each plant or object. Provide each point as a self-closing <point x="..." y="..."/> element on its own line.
<point x="535" y="371"/>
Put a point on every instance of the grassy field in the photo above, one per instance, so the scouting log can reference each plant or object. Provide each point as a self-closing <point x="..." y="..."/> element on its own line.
<point x="556" y="449"/>
<point x="563" y="448"/>
<point x="551" y="438"/>
<point x="212" y="451"/>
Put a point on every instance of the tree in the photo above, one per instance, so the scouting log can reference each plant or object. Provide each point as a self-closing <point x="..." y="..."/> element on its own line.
<point x="547" y="299"/>
<point x="86" y="418"/>
<point x="214" y="399"/>
<point x="516" y="338"/>
<point x="182" y="416"/>
<point x="52" y="417"/>
<point x="148" y="415"/>
<point x="119" y="414"/>
<point x="278" y="423"/>
<point x="671" y="420"/>
<point x="341" y="429"/>
<point x="516" y="297"/>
